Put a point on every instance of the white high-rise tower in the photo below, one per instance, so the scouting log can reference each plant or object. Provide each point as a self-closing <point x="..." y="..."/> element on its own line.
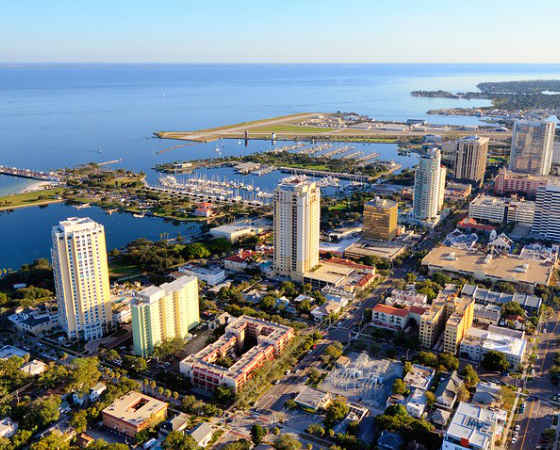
<point x="81" y="273"/>
<point x="297" y="209"/>
<point x="429" y="185"/>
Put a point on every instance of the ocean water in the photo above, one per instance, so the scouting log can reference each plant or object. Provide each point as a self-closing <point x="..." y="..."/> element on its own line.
<point x="60" y="115"/>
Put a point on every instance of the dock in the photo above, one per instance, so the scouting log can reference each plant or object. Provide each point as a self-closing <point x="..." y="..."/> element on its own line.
<point x="324" y="173"/>
<point x="29" y="173"/>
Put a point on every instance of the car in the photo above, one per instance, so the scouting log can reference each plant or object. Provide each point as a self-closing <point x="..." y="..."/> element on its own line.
<point x="517" y="427"/>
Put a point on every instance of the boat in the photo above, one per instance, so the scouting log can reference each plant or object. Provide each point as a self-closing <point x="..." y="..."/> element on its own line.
<point x="82" y="206"/>
<point x="111" y="211"/>
<point x="138" y="216"/>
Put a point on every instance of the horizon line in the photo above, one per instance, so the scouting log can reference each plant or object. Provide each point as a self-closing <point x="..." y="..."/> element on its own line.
<point x="288" y="62"/>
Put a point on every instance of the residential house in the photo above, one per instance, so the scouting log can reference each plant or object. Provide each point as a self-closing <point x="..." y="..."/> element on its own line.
<point x="447" y="391"/>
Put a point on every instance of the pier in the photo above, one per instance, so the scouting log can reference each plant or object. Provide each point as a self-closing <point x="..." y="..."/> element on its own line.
<point x="28" y="173"/>
<point x="324" y="173"/>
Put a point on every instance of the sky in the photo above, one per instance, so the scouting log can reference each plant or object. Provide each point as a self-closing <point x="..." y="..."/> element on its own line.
<point x="280" y="31"/>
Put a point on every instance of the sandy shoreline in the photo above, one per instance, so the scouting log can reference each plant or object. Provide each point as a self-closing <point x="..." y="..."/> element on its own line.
<point x="36" y="186"/>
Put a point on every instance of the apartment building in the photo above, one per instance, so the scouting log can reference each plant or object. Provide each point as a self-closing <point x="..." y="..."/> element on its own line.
<point x="432" y="321"/>
<point x="164" y="313"/>
<point x="470" y="158"/>
<point x="547" y="213"/>
<point x="429" y="186"/>
<point x="532" y="147"/>
<point x="297" y="208"/>
<point x="460" y="320"/>
<point x="81" y="274"/>
<point x="203" y="368"/>
<point x="380" y="219"/>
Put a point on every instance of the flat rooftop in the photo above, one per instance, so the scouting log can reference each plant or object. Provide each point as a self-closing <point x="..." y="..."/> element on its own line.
<point x="135" y="408"/>
<point x="475" y="424"/>
<point x="509" y="268"/>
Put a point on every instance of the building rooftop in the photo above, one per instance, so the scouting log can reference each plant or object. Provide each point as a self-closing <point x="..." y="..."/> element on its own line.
<point x="503" y="340"/>
<point x="8" y="351"/>
<point x="201" y="432"/>
<point x="419" y="376"/>
<point x="381" y="203"/>
<point x="509" y="268"/>
<point x="482" y="295"/>
<point x="134" y="408"/>
<point x="391" y="310"/>
<point x="472" y="425"/>
<point x="312" y="397"/>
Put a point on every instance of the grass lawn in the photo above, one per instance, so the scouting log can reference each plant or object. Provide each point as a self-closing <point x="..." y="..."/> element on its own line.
<point x="117" y="270"/>
<point x="287" y="128"/>
<point x="29" y="198"/>
<point x="307" y="166"/>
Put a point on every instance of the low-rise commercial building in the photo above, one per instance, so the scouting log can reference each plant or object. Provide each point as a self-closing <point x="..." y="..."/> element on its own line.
<point x="508" y="182"/>
<point x="502" y="210"/>
<point x="35" y="321"/>
<point x="457" y="191"/>
<point x="530" y="303"/>
<point x="203" y="369"/>
<point x="234" y="232"/>
<point x="525" y="272"/>
<point x="313" y="400"/>
<point x="210" y="275"/>
<point x="133" y="413"/>
<point x="478" y="342"/>
<point x="391" y="318"/>
<point x="342" y="274"/>
<point x="474" y="427"/>
<point x="487" y="314"/>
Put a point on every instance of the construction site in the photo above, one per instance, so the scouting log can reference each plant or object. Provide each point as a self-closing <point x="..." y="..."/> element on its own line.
<point x="362" y="379"/>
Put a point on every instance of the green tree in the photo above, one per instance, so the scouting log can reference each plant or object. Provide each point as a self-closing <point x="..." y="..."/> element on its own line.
<point x="463" y="395"/>
<point x="176" y="440"/>
<point x="512" y="309"/>
<point x="449" y="361"/>
<point x="336" y="411"/>
<point x="399" y="387"/>
<point x="42" y="412"/>
<point x="316" y="429"/>
<point x="493" y="360"/>
<point x="258" y="433"/>
<point x="84" y="374"/>
<point x="430" y="398"/>
<point x="53" y="441"/>
<point x="286" y="442"/>
<point x="427" y="358"/>
<point x="79" y="421"/>
<point x="241" y="444"/>
<point x="224" y="394"/>
<point x="470" y="376"/>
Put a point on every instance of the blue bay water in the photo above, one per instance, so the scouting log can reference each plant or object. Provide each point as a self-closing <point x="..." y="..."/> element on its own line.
<point x="59" y="115"/>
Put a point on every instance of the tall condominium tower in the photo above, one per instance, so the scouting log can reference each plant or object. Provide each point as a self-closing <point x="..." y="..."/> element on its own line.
<point x="297" y="209"/>
<point x="532" y="147"/>
<point x="546" y="223"/>
<point x="380" y="219"/>
<point x="79" y="257"/>
<point x="470" y="158"/>
<point x="429" y="185"/>
<point x="163" y="313"/>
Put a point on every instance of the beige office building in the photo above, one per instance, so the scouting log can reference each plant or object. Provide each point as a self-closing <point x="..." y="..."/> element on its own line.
<point x="380" y="219"/>
<point x="163" y="313"/>
<point x="297" y="209"/>
<point x="471" y="153"/>
<point x="81" y="274"/>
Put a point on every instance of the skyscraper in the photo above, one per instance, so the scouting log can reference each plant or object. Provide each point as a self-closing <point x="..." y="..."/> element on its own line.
<point x="297" y="209"/>
<point x="164" y="313"/>
<point x="429" y="186"/>
<point x="79" y="257"/>
<point x="470" y="158"/>
<point x="546" y="223"/>
<point x="380" y="219"/>
<point x="532" y="147"/>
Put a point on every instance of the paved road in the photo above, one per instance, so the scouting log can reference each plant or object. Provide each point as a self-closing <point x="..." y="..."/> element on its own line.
<point x="539" y="410"/>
